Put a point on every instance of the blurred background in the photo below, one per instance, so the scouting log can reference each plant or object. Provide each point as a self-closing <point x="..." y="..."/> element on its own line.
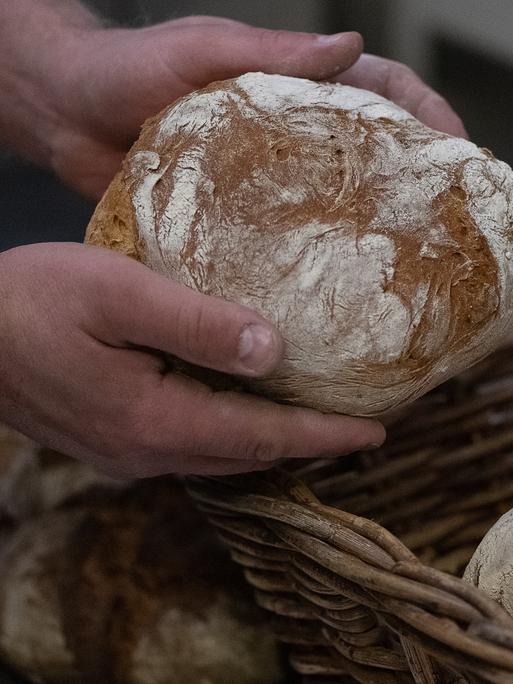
<point x="461" y="47"/>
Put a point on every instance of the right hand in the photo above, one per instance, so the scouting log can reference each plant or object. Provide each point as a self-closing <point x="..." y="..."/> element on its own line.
<point x="77" y="371"/>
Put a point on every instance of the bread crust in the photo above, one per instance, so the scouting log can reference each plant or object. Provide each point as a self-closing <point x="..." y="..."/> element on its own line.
<point x="379" y="247"/>
<point x="491" y="566"/>
<point x="113" y="223"/>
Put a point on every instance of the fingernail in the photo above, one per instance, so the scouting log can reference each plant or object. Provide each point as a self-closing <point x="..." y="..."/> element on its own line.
<point x="257" y="348"/>
<point x="329" y="40"/>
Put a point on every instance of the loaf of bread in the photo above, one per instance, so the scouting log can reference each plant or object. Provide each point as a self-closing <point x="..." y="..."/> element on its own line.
<point x="128" y="586"/>
<point x="491" y="566"/>
<point x="380" y="248"/>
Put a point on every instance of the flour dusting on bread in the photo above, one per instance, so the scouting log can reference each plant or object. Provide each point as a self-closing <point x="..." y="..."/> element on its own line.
<point x="375" y="243"/>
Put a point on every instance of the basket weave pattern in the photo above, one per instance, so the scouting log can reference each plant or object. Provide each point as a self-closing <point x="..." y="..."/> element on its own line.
<point x="358" y="561"/>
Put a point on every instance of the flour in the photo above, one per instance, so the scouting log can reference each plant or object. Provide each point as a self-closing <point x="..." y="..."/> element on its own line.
<point x="146" y="167"/>
<point x="197" y="114"/>
<point x="182" y="205"/>
<point x="273" y="94"/>
<point x="325" y="208"/>
<point x="490" y="204"/>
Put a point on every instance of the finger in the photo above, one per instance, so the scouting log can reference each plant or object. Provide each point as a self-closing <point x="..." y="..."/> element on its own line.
<point x="121" y="470"/>
<point x="224" y="51"/>
<point x="114" y="439"/>
<point x="149" y="68"/>
<point x="139" y="307"/>
<point x="151" y="424"/>
<point x="198" y="465"/>
<point x="244" y="427"/>
<point x="124" y="469"/>
<point x="399" y="83"/>
<point x="138" y="423"/>
<point x="195" y="465"/>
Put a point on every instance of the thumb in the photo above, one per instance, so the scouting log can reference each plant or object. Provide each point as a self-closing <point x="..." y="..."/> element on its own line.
<point x="136" y="306"/>
<point x="123" y="76"/>
<point x="202" y="53"/>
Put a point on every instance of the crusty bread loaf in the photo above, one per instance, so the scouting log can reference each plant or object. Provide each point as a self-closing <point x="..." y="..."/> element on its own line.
<point x="379" y="247"/>
<point x="491" y="566"/>
<point x="128" y="587"/>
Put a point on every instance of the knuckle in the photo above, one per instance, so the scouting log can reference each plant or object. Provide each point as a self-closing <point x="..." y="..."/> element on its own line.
<point x="401" y="70"/>
<point x="262" y="450"/>
<point x="270" y="39"/>
<point x="395" y="76"/>
<point x="397" y="70"/>
<point x="192" y="330"/>
<point x="403" y="86"/>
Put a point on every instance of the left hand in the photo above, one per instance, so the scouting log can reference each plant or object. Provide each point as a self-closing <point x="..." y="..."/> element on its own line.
<point x="113" y="79"/>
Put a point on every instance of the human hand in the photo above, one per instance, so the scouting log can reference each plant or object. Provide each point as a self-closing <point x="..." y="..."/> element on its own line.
<point x="119" y="77"/>
<point x="113" y="79"/>
<point x="399" y="83"/>
<point x="79" y="371"/>
<point x="86" y="90"/>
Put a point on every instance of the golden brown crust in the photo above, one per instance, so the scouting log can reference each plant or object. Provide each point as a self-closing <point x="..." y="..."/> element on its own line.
<point x="113" y="223"/>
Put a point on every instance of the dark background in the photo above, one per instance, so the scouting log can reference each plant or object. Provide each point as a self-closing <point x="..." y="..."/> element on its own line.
<point x="465" y="53"/>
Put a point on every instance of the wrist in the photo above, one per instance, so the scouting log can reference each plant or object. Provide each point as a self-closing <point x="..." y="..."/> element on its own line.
<point x="38" y="40"/>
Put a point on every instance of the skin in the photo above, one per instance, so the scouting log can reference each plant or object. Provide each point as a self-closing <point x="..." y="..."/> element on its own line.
<point x="83" y="329"/>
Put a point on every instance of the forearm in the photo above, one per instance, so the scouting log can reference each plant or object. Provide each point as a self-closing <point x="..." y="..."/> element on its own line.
<point x="36" y="40"/>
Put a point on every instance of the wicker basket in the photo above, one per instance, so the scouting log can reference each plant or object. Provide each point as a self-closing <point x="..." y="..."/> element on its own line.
<point x="364" y="587"/>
